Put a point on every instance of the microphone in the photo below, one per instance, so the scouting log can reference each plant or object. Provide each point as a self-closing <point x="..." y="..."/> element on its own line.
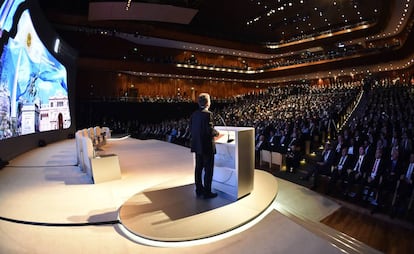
<point x="229" y="140"/>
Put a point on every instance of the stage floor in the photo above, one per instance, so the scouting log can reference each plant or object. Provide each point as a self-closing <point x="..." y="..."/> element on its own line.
<point x="173" y="213"/>
<point x="48" y="205"/>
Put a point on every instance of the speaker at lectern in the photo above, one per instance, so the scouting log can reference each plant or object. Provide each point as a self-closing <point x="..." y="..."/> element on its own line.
<point x="234" y="161"/>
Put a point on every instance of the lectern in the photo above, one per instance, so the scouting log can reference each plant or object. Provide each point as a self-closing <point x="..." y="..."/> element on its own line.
<point x="234" y="161"/>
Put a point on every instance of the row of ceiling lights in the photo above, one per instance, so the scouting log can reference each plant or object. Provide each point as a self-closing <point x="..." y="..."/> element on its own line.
<point x="264" y="56"/>
<point x="399" y="25"/>
<point x="285" y="6"/>
<point x="290" y="4"/>
<point x="397" y="28"/>
<point x="352" y="72"/>
<point x="128" y="5"/>
<point x="330" y="74"/>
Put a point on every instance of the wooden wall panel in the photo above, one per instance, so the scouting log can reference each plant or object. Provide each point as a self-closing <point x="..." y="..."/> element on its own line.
<point x="106" y="84"/>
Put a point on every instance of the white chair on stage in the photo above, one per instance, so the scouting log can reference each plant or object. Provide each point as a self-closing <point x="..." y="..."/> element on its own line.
<point x="87" y="154"/>
<point x="91" y="135"/>
<point x="79" y="150"/>
<point x="100" y="138"/>
<point x="85" y="132"/>
<point x="107" y="132"/>
<point x="100" y="168"/>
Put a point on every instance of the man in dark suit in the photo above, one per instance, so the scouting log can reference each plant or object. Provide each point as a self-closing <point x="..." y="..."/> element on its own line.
<point x="322" y="166"/>
<point x="338" y="145"/>
<point x="203" y="145"/>
<point x="355" y="176"/>
<point x="374" y="175"/>
<point x="369" y="150"/>
<point x="339" y="169"/>
<point x="261" y="144"/>
<point x="281" y="143"/>
<point x="406" y="186"/>
<point x="392" y="172"/>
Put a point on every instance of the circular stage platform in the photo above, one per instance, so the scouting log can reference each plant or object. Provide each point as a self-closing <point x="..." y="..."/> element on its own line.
<point x="173" y="213"/>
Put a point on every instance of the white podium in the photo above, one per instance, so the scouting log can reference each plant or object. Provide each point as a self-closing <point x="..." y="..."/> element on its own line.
<point x="234" y="161"/>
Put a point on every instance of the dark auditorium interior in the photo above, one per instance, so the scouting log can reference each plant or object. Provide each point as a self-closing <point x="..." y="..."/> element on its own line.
<point x="314" y="78"/>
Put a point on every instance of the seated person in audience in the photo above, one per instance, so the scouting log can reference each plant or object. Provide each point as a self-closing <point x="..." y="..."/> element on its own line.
<point x="272" y="140"/>
<point x="280" y="145"/>
<point x="261" y="144"/>
<point x="391" y="175"/>
<point x="356" y="174"/>
<point x="369" y="150"/>
<point x="405" y="189"/>
<point x="338" y="145"/>
<point x="356" y="140"/>
<point x="352" y="147"/>
<point x="339" y="169"/>
<point x="405" y="146"/>
<point x="373" y="179"/>
<point x="322" y="165"/>
<point x="293" y="139"/>
<point x="395" y="141"/>
<point x="293" y="158"/>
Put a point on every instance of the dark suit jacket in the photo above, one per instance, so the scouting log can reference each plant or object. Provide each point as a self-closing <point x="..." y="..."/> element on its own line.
<point x="347" y="164"/>
<point x="363" y="169"/>
<point x="281" y="144"/>
<point x="406" y="189"/>
<point x="327" y="164"/>
<point x="263" y="146"/>
<point x="202" y="132"/>
<point x="324" y="166"/>
<point x="405" y="169"/>
<point x="380" y="170"/>
<point x="392" y="173"/>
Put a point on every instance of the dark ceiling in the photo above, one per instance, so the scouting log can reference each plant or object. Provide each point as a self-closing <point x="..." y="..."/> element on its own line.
<point x="274" y="21"/>
<point x="376" y="31"/>
<point x="258" y="21"/>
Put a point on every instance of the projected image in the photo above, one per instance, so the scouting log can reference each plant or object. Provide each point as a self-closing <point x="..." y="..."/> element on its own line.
<point x="33" y="84"/>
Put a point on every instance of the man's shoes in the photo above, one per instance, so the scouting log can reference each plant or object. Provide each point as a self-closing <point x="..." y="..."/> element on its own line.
<point x="210" y="195"/>
<point x="199" y="192"/>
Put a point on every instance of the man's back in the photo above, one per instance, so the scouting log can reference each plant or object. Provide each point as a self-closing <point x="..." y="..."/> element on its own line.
<point x="201" y="127"/>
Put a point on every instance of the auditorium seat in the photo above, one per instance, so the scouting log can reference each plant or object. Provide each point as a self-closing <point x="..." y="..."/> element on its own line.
<point x="265" y="157"/>
<point x="277" y="159"/>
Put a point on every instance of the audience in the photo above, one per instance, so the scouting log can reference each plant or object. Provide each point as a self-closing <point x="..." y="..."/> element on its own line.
<point x="383" y="133"/>
<point x="367" y="152"/>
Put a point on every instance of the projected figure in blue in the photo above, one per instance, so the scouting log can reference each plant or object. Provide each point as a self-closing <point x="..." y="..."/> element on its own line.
<point x="33" y="84"/>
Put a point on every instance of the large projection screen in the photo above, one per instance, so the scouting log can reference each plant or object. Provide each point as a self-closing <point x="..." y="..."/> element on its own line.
<point x="36" y="72"/>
